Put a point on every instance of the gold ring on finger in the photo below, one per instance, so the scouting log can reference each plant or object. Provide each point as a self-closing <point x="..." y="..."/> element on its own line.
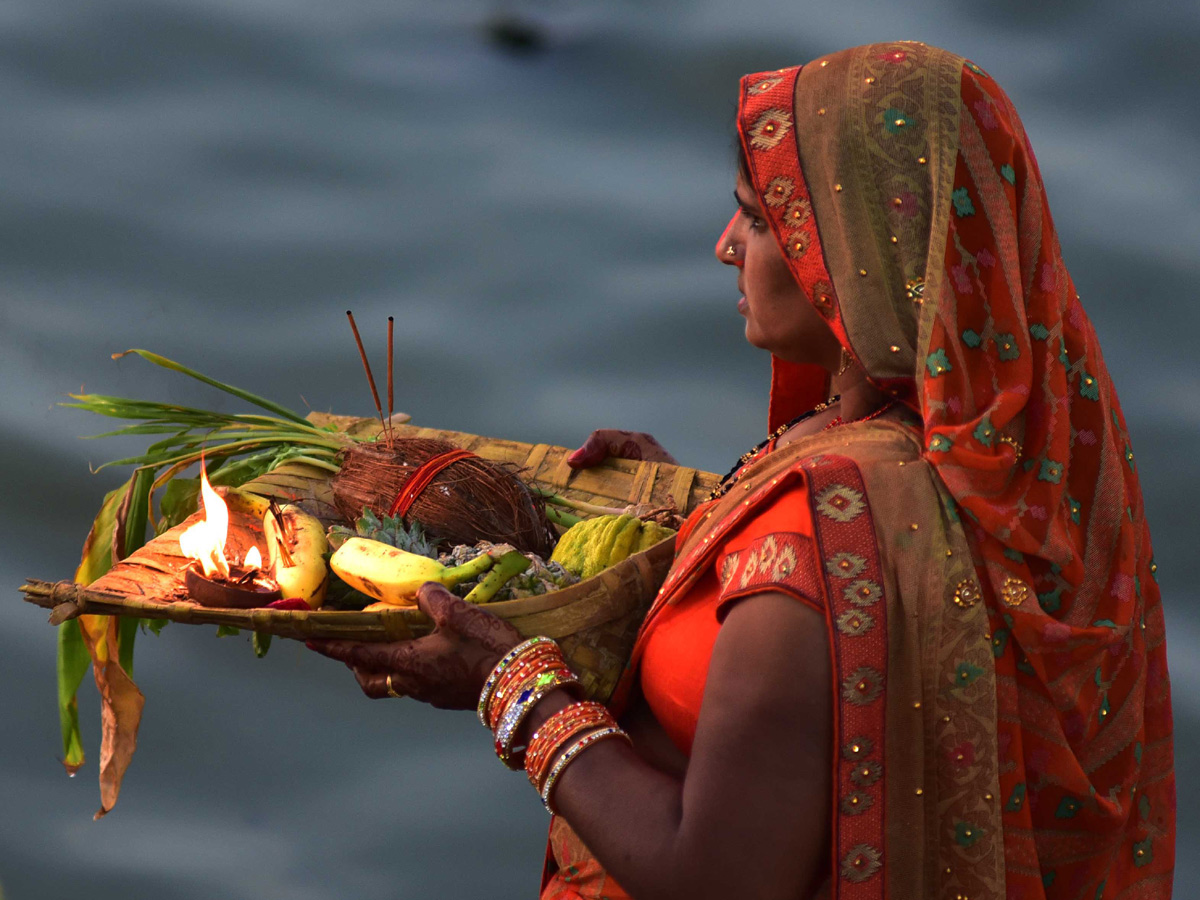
<point x="392" y="692"/>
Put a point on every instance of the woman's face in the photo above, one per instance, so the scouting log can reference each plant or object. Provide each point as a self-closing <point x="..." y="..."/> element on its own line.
<point x="779" y="317"/>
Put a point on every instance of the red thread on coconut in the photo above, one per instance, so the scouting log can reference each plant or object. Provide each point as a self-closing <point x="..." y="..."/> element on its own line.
<point x="421" y="478"/>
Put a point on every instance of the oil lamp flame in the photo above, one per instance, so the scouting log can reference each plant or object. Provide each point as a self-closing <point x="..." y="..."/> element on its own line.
<point x="253" y="559"/>
<point x="205" y="541"/>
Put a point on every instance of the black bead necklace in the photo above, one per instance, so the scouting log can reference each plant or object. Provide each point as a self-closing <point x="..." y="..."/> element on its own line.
<point x="731" y="476"/>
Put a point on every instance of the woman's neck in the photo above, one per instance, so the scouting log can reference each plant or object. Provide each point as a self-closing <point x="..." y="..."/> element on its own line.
<point x="859" y="396"/>
<point x="858" y="400"/>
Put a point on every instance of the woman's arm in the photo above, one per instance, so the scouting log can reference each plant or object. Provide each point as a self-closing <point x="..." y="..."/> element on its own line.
<point x="750" y="819"/>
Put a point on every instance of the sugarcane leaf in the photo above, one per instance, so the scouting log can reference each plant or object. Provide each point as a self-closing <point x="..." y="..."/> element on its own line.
<point x="156" y="625"/>
<point x="261" y="402"/>
<point x="72" y="666"/>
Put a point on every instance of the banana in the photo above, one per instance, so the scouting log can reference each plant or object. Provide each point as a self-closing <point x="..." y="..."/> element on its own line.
<point x="244" y="502"/>
<point x="394" y="576"/>
<point x="507" y="566"/>
<point x="296" y="556"/>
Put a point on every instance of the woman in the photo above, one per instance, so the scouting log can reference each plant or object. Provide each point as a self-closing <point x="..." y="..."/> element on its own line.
<point x="915" y="647"/>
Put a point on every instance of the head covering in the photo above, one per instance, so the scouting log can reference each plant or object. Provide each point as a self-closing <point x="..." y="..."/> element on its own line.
<point x="904" y="194"/>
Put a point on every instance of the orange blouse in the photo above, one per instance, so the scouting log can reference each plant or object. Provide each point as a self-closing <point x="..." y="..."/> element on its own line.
<point x="773" y="551"/>
<point x="679" y="642"/>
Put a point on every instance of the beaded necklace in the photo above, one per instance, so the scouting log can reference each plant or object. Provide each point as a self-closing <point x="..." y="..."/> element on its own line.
<point x="731" y="477"/>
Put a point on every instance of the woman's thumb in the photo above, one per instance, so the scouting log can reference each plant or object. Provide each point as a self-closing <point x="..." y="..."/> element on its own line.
<point x="593" y="452"/>
<point x="436" y="602"/>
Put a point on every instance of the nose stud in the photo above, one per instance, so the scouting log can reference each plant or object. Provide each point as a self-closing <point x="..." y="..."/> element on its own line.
<point x="731" y="250"/>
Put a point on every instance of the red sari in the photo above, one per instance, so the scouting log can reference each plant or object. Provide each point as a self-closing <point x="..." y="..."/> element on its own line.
<point x="1002" y="707"/>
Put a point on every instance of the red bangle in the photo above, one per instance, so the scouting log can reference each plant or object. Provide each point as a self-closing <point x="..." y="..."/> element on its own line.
<point x="557" y="730"/>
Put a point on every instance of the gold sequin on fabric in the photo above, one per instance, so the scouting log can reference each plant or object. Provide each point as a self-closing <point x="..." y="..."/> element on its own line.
<point x="823" y="298"/>
<point x="856" y="802"/>
<point x="915" y="290"/>
<point x="861" y="863"/>
<point x="866" y="773"/>
<point x="857" y="748"/>
<point x="761" y="87"/>
<point x="797" y="245"/>
<point x="771" y="128"/>
<point x="966" y="593"/>
<point x="854" y="622"/>
<point x="1012" y="442"/>
<point x="845" y="565"/>
<point x="798" y="212"/>
<point x="1014" y="591"/>
<point x="863" y="686"/>
<point x="840" y="503"/>
<point x="779" y="190"/>
<point x="863" y="592"/>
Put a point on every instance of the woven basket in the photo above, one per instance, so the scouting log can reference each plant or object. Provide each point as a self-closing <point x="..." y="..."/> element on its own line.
<point x="595" y="621"/>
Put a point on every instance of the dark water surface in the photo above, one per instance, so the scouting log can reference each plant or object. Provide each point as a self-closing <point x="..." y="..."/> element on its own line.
<point x="218" y="181"/>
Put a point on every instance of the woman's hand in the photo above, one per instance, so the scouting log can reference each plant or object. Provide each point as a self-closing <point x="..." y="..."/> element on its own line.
<point x="606" y="442"/>
<point x="445" y="669"/>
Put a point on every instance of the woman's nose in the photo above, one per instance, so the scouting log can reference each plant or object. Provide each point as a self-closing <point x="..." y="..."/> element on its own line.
<point x="728" y="250"/>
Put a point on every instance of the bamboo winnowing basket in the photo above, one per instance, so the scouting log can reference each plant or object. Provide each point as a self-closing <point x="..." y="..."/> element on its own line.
<point x="595" y="621"/>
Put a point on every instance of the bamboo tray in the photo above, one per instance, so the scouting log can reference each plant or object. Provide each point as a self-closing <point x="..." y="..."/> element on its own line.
<point x="595" y="621"/>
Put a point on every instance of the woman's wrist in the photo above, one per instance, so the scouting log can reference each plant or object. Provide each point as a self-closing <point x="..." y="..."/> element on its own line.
<point x="557" y="699"/>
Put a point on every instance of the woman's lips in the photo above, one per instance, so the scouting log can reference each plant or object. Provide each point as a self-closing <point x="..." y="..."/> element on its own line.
<point x="742" y="305"/>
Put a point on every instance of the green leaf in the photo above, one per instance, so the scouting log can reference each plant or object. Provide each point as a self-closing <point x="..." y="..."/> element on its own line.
<point x="179" y="499"/>
<point x="73" y="662"/>
<point x="156" y="625"/>
<point x="227" y="631"/>
<point x="258" y="401"/>
<point x="261" y="643"/>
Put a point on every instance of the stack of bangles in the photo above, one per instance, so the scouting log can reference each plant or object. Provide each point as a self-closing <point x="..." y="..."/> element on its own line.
<point x="524" y="676"/>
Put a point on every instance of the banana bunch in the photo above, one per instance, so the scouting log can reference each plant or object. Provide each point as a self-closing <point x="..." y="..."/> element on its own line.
<point x="296" y="547"/>
<point x="393" y="576"/>
<point x="593" y="545"/>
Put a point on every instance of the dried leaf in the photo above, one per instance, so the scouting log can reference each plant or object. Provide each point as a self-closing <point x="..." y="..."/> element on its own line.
<point x="120" y="710"/>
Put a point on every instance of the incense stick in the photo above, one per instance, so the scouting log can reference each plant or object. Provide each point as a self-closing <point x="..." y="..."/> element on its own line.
<point x="391" y="408"/>
<point x="367" y="368"/>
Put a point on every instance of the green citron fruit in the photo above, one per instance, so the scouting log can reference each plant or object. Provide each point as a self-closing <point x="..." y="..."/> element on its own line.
<point x="596" y="544"/>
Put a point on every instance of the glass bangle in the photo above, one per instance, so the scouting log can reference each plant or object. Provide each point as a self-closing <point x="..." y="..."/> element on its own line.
<point x="568" y="757"/>
<point x="490" y="684"/>
<point x="516" y="713"/>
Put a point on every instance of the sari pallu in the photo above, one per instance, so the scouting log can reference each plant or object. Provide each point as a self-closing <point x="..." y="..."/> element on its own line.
<point x="1002" y="707"/>
<point x="903" y="191"/>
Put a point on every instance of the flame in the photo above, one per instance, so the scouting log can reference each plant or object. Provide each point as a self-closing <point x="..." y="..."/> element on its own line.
<point x="253" y="559"/>
<point x="205" y="540"/>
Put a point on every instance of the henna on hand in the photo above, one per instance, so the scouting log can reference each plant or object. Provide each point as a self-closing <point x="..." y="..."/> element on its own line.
<point x="446" y="668"/>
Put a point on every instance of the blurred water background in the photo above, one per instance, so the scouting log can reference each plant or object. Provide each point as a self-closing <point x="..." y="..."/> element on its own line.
<point x="533" y="189"/>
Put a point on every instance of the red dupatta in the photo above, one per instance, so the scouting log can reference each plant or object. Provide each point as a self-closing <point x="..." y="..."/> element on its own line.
<point x="902" y="189"/>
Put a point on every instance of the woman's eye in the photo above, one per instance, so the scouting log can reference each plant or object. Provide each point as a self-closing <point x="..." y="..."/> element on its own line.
<point x="756" y="224"/>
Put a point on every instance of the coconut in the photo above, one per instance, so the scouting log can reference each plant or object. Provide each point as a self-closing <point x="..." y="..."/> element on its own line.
<point x="470" y="500"/>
